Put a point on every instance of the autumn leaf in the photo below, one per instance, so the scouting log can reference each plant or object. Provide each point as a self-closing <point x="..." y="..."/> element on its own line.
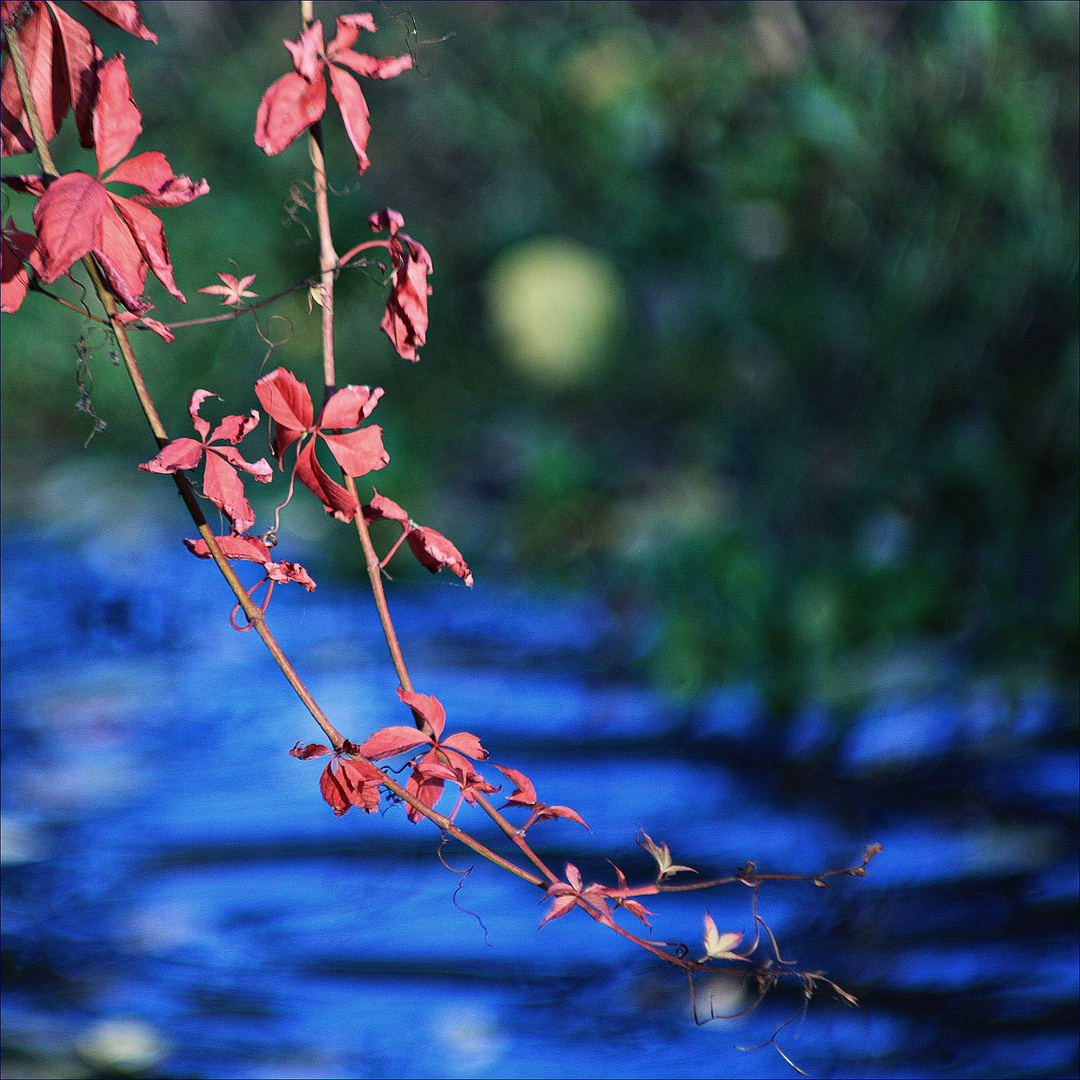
<point x="719" y="946"/>
<point x="406" y="319"/>
<point x="346" y="781"/>
<point x="62" y="66"/>
<point x="524" y="794"/>
<point x="297" y="100"/>
<point x="446" y="760"/>
<point x="662" y="856"/>
<point x="221" y="481"/>
<point x="77" y="215"/>
<point x="288" y="402"/>
<point x="15" y="249"/>
<point x="252" y="549"/>
<point x="566" y="895"/>
<point x="432" y="548"/>
<point x="234" y="290"/>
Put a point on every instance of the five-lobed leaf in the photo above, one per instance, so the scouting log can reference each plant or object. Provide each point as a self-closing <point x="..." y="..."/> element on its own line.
<point x="298" y="99"/>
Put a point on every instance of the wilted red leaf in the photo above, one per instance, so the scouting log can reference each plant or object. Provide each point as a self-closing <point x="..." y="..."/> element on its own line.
<point x="405" y="321"/>
<point x="435" y="552"/>
<point x="383" y="509"/>
<point x="524" y="794"/>
<point x="124" y="14"/>
<point x="309" y="751"/>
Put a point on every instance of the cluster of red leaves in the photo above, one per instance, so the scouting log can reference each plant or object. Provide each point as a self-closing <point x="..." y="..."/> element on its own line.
<point x="432" y="548"/>
<point x="221" y="482"/>
<point x="351" y="781"/>
<point x="76" y="214"/>
<point x="297" y="100"/>
<point x="406" y="319"/>
<point x="448" y="759"/>
<point x="288" y="402"/>
<point x="62" y="63"/>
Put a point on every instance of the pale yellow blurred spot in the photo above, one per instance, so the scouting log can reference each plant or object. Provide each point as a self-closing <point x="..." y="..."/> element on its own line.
<point x="122" y="1044"/>
<point x="554" y="306"/>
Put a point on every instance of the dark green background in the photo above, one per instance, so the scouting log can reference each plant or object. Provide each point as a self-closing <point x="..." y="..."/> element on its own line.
<point x="835" y="414"/>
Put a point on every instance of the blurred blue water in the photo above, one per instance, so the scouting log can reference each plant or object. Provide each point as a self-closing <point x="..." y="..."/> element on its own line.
<point x="177" y="892"/>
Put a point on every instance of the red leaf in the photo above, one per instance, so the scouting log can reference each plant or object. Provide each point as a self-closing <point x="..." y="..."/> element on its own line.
<point x="388" y="67"/>
<point x="146" y="229"/>
<point x="179" y="454"/>
<point x="127" y="318"/>
<point x="435" y="552"/>
<point x="82" y="58"/>
<point x="333" y="791"/>
<point x="335" y="499"/>
<point x="124" y="14"/>
<point x="430" y="708"/>
<point x="68" y="220"/>
<point x="288" y="402"/>
<point x="386" y="221"/>
<point x="15" y="247"/>
<point x="354" y="113"/>
<point x="306" y="51"/>
<point x="117" y="120"/>
<point x="249" y="548"/>
<point x="524" y="794"/>
<point x="405" y="321"/>
<point x="348" y="30"/>
<point x="561" y="905"/>
<point x="311" y="750"/>
<point x="290" y="571"/>
<point x="122" y="260"/>
<point x="359" y="452"/>
<point x="390" y="741"/>
<point x="349" y="406"/>
<point x="563" y="812"/>
<point x="259" y="469"/>
<point x="289" y="107"/>
<point x="234" y="428"/>
<point x="428" y="789"/>
<point x="223" y="487"/>
<point x="383" y="509"/>
<point x="467" y="744"/>
<point x="49" y="86"/>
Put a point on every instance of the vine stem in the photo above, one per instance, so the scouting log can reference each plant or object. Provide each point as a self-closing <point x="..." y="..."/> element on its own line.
<point x="187" y="493"/>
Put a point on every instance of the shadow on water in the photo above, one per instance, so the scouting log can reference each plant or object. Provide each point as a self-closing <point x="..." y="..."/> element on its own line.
<point x="178" y="901"/>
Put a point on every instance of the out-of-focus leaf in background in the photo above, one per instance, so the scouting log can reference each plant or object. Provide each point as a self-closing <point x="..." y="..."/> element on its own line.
<point x="760" y="319"/>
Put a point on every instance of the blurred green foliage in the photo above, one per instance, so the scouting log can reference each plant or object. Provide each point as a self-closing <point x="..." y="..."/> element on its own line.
<point x="829" y="251"/>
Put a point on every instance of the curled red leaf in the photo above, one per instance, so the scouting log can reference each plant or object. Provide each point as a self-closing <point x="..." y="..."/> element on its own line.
<point x="435" y="552"/>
